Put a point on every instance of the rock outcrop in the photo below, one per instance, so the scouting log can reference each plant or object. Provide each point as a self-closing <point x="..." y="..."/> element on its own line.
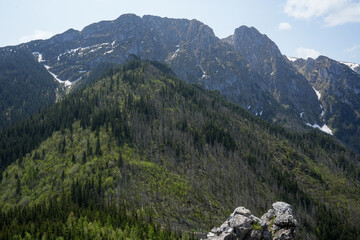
<point x="277" y="224"/>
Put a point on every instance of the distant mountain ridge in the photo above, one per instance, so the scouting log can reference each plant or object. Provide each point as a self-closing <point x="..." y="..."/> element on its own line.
<point x="246" y="67"/>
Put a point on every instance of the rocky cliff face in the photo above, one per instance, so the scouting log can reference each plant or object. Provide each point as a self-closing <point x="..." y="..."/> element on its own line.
<point x="247" y="68"/>
<point x="338" y="88"/>
<point x="282" y="80"/>
<point x="277" y="224"/>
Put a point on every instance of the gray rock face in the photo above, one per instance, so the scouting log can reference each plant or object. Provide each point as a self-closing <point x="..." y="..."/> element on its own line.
<point x="281" y="78"/>
<point x="277" y="224"/>
<point x="339" y="87"/>
<point x="255" y="76"/>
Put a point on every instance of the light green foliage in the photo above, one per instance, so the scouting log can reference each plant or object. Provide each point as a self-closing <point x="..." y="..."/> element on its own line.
<point x="256" y="226"/>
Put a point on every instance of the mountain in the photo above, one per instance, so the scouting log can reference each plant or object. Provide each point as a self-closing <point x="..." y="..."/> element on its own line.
<point x="142" y="141"/>
<point x="246" y="67"/>
<point x="25" y="86"/>
<point x="281" y="79"/>
<point x="338" y="89"/>
<point x="276" y="92"/>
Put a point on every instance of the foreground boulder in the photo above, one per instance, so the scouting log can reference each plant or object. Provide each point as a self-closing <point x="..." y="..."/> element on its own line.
<point x="277" y="224"/>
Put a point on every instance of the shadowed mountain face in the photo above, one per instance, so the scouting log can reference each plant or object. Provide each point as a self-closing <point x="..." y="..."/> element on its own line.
<point x="247" y="67"/>
<point x="339" y="89"/>
<point x="281" y="79"/>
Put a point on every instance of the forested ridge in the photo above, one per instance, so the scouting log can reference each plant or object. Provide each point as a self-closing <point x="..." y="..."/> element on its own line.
<point x="25" y="85"/>
<point x="142" y="140"/>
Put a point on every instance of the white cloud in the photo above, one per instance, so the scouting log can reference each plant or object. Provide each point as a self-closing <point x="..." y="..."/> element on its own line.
<point x="312" y="8"/>
<point x="284" y="26"/>
<point x="307" y="52"/>
<point x="38" y="34"/>
<point x="350" y="13"/>
<point x="353" y="49"/>
<point x="333" y="12"/>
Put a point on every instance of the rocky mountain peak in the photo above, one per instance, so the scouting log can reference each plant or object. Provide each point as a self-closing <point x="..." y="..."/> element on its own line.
<point x="68" y="35"/>
<point x="250" y="40"/>
<point x="282" y="79"/>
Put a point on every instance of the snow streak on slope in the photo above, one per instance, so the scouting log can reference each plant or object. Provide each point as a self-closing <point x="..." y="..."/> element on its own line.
<point x="324" y="128"/>
<point x="67" y="83"/>
<point x="40" y="59"/>
<point x="318" y="94"/>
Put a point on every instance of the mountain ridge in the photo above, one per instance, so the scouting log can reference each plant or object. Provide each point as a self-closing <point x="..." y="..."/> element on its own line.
<point x="183" y="44"/>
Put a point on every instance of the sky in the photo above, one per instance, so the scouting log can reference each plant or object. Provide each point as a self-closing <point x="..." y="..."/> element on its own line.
<point x="300" y="28"/>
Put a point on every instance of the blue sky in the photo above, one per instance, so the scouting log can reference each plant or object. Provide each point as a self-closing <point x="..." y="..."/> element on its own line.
<point x="300" y="28"/>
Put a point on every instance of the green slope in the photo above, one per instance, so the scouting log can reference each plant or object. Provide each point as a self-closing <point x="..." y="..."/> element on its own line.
<point x="156" y="144"/>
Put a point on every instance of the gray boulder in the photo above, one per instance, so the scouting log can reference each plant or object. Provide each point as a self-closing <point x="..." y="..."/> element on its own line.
<point x="277" y="224"/>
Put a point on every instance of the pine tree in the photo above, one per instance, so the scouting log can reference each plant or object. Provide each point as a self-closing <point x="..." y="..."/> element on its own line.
<point x="98" y="148"/>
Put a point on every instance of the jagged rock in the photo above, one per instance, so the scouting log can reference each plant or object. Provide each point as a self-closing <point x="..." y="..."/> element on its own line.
<point x="283" y="234"/>
<point x="277" y="224"/>
<point x="284" y="220"/>
<point x="281" y="208"/>
<point x="242" y="211"/>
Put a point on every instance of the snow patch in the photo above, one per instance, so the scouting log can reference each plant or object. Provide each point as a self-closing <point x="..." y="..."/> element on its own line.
<point x="204" y="73"/>
<point x="175" y="53"/>
<point x="261" y="113"/>
<point x="249" y="107"/>
<point x="292" y="59"/>
<point x="324" y="128"/>
<point x="108" y="52"/>
<point x="81" y="50"/>
<point x="351" y="65"/>
<point x="39" y="56"/>
<point x="318" y="94"/>
<point x="301" y="114"/>
<point x="67" y="83"/>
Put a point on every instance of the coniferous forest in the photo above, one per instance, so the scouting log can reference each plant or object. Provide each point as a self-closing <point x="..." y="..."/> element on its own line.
<point x="140" y="154"/>
<point x="25" y="86"/>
